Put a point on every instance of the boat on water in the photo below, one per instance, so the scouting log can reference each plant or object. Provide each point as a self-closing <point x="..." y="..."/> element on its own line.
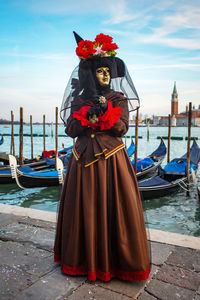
<point x="172" y="177"/>
<point x="1" y="140"/>
<point x="131" y="149"/>
<point x="37" y="164"/>
<point x="27" y="177"/>
<point x="148" y="165"/>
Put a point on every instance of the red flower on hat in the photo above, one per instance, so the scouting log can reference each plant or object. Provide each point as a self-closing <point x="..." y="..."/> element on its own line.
<point x="85" y="49"/>
<point x="102" y="38"/>
<point x="109" y="46"/>
<point x="102" y="46"/>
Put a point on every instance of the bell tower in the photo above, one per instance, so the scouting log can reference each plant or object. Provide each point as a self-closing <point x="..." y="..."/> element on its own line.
<point x="174" y="101"/>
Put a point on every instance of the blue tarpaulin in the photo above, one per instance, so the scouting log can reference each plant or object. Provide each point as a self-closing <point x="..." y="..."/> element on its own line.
<point x="26" y="169"/>
<point x="178" y="166"/>
<point x="143" y="163"/>
<point x="131" y="149"/>
<point x="50" y="162"/>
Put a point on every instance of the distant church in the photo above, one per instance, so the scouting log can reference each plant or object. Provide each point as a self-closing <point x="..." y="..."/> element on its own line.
<point x="176" y="118"/>
<point x="174" y="101"/>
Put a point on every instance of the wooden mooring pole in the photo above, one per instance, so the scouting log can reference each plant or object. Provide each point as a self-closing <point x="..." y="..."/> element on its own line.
<point x="131" y="139"/>
<point x="169" y="138"/>
<point x="31" y="126"/>
<point x="56" y="135"/>
<point x="136" y="138"/>
<point x="52" y="129"/>
<point x="44" y="148"/>
<point x="21" y="138"/>
<point x="188" y="147"/>
<point x="148" y="131"/>
<point x="12" y="146"/>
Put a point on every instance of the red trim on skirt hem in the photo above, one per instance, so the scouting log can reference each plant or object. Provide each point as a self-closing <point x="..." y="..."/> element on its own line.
<point x="56" y="258"/>
<point x="104" y="276"/>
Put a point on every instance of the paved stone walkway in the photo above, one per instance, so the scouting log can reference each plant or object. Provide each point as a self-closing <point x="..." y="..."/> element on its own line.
<point x="27" y="270"/>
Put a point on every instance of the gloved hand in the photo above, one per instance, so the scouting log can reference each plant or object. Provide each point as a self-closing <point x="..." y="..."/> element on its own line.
<point x="104" y="106"/>
<point x="93" y="113"/>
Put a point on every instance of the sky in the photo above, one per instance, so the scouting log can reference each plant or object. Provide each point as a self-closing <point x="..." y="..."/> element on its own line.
<point x="158" y="40"/>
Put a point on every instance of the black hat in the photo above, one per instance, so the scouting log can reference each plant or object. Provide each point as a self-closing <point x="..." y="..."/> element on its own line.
<point x="77" y="37"/>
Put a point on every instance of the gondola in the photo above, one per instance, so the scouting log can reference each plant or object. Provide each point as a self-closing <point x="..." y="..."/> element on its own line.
<point x="131" y="149"/>
<point x="149" y="164"/>
<point x="28" y="177"/>
<point x="1" y="140"/>
<point x="44" y="162"/>
<point x="172" y="177"/>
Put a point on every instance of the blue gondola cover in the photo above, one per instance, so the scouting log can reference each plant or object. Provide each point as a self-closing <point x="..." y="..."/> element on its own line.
<point x="50" y="162"/>
<point x="143" y="163"/>
<point x="178" y="166"/>
<point x="25" y="169"/>
<point x="194" y="154"/>
<point x="160" y="151"/>
<point x="154" y="181"/>
<point x="131" y="149"/>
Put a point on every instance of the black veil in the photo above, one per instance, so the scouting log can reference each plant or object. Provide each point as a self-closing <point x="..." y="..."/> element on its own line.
<point x="82" y="83"/>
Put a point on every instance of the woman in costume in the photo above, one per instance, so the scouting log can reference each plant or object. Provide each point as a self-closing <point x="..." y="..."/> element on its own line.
<point x="100" y="229"/>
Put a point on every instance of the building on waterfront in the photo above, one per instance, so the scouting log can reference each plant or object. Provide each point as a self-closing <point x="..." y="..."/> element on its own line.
<point x="174" y="102"/>
<point x="178" y="119"/>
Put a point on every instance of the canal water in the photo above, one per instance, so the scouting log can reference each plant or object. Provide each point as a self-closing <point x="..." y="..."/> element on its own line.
<point x="174" y="213"/>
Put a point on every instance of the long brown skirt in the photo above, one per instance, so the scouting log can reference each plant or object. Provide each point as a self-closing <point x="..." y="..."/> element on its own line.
<point x="100" y="230"/>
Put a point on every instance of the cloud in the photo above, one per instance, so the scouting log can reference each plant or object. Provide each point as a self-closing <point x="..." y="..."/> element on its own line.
<point x="197" y="58"/>
<point x="55" y="57"/>
<point x="189" y="44"/>
<point x="178" y="29"/>
<point x="117" y="32"/>
<point x="119" y="12"/>
<point x="167" y="66"/>
<point x="115" y="12"/>
<point x="183" y="43"/>
<point x="62" y="7"/>
<point x="183" y="20"/>
<point x="185" y="17"/>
